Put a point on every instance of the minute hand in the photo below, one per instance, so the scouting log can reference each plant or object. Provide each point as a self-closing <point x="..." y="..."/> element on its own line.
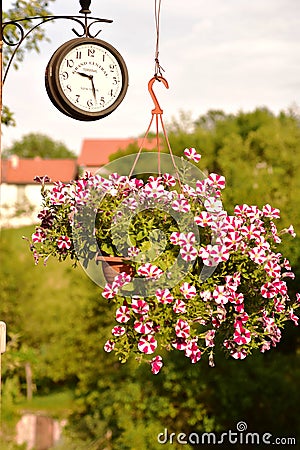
<point x="90" y="77"/>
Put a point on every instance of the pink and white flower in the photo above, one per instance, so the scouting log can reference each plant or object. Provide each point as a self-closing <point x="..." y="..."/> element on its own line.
<point x="118" y="331"/>
<point x="209" y="338"/>
<point x="150" y="271"/>
<point x="213" y="205"/>
<point x="242" y="336"/>
<point x="205" y="219"/>
<point x="156" y="364"/>
<point x="110" y="290"/>
<point x="64" y="243"/>
<point x="188" y="253"/>
<point x="191" y="153"/>
<point x="38" y="236"/>
<point x="258" y="255"/>
<point x="139" y="306"/>
<point x="192" y="351"/>
<point x="187" y="238"/>
<point x="293" y="317"/>
<point x="175" y="238"/>
<point x="147" y="344"/>
<point x="122" y="279"/>
<point x="221" y="295"/>
<point x="133" y="251"/>
<point x="169" y="180"/>
<point x="273" y="269"/>
<point x="217" y="181"/>
<point x="188" y="290"/>
<point x="154" y="189"/>
<point x="239" y="354"/>
<point x="182" y="329"/>
<point x="179" y="307"/>
<point x="143" y="327"/>
<point x="164" y="296"/>
<point x="181" y="204"/>
<point x="268" y="290"/>
<point x="109" y="346"/>
<point x="123" y="314"/>
<point x="272" y="213"/>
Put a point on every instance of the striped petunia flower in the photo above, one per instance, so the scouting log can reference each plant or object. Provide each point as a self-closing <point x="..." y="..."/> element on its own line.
<point x="123" y="314"/>
<point x="64" y="243"/>
<point x="156" y="364"/>
<point x="188" y="290"/>
<point x="150" y="271"/>
<point x="191" y="153"/>
<point x="147" y="344"/>
<point x="139" y="306"/>
<point x="164" y="296"/>
<point x="143" y="326"/>
<point x="182" y="329"/>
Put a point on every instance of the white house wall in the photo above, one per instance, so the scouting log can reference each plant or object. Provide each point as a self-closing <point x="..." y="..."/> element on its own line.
<point x="19" y="204"/>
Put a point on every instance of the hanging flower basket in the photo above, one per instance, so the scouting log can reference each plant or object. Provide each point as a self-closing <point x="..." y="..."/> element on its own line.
<point x="196" y="277"/>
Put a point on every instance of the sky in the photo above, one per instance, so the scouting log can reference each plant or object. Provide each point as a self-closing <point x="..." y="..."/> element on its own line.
<point x="223" y="54"/>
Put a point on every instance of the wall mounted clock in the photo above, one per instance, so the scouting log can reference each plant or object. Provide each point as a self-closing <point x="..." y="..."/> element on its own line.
<point x="86" y="78"/>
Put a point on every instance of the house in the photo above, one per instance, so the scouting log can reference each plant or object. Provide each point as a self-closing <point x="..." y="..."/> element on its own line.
<point x="95" y="153"/>
<point x="20" y="195"/>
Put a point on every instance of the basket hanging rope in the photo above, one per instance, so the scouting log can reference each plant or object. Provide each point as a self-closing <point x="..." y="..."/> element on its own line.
<point x="157" y="113"/>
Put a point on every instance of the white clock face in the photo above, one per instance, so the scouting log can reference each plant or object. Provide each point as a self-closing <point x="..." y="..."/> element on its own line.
<point x="90" y="77"/>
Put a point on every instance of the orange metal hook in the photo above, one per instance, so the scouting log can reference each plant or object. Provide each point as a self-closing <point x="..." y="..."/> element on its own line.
<point x="157" y="109"/>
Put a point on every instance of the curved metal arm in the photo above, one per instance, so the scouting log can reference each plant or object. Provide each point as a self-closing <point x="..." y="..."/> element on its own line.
<point x="157" y="109"/>
<point x="82" y="21"/>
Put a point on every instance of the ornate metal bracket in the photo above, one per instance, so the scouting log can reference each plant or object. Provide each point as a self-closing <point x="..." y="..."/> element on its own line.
<point x="84" y="21"/>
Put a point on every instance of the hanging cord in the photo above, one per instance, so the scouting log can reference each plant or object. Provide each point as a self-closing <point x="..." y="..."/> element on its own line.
<point x="158" y="69"/>
<point x="157" y="111"/>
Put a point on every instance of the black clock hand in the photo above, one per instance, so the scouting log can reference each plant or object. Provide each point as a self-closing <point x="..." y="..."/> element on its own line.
<point x="93" y="87"/>
<point x="85" y="75"/>
<point x="90" y="77"/>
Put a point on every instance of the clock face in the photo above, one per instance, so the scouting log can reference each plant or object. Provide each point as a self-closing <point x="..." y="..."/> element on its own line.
<point x="86" y="78"/>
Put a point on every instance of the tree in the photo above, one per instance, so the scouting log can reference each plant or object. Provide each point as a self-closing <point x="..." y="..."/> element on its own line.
<point x="20" y="9"/>
<point x="35" y="144"/>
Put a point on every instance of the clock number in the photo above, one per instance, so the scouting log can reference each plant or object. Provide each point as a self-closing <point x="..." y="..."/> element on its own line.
<point x="115" y="80"/>
<point x="112" y="67"/>
<point x="77" y="98"/>
<point x="111" y="93"/>
<point x="65" y="75"/>
<point x="78" y="54"/>
<point x="91" y="52"/>
<point x="89" y="103"/>
<point x="102" y="101"/>
<point x="70" y="63"/>
<point x="103" y="57"/>
<point x="69" y="88"/>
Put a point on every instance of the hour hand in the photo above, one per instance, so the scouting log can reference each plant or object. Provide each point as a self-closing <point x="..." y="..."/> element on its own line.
<point x="83" y="74"/>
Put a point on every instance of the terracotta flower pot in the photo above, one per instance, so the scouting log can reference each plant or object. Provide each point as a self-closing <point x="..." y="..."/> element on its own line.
<point x="113" y="265"/>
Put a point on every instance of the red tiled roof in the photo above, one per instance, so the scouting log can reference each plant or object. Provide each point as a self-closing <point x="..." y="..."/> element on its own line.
<point x="96" y="152"/>
<point x="22" y="171"/>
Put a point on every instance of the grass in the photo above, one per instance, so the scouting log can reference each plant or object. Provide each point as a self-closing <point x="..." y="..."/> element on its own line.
<point x="56" y="404"/>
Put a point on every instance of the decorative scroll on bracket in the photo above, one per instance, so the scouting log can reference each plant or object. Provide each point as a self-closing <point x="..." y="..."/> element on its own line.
<point x="22" y="33"/>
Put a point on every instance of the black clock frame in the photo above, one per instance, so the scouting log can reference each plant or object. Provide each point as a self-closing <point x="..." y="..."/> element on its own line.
<point x="52" y="81"/>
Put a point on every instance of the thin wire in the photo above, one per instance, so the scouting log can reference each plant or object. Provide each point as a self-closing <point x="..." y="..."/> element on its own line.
<point x="158" y="68"/>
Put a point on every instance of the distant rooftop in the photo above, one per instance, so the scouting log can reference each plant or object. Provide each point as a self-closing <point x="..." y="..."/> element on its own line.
<point x="17" y="170"/>
<point x="96" y="152"/>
